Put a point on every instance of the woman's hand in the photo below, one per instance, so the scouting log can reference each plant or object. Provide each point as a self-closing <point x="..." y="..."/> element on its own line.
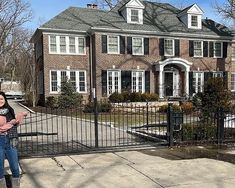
<point x="13" y="122"/>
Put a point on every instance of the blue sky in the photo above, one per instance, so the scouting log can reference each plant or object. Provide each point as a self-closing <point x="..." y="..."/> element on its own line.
<point x="44" y="10"/>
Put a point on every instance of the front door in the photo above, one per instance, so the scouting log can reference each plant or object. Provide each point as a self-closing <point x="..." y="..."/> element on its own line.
<point x="171" y="83"/>
<point x="168" y="84"/>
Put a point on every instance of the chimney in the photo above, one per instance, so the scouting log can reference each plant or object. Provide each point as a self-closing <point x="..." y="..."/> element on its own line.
<point x="92" y="6"/>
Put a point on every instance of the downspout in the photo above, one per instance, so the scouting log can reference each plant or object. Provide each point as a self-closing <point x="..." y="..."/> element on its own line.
<point x="91" y="66"/>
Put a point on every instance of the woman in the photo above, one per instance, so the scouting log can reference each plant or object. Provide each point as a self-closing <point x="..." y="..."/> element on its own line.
<point x="9" y="141"/>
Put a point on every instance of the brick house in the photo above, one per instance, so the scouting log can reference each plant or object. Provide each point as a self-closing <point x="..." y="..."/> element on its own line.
<point x="137" y="46"/>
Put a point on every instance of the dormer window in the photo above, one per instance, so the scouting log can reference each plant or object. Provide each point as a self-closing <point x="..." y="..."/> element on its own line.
<point x="194" y="21"/>
<point x="133" y="12"/>
<point x="134" y="15"/>
<point x="192" y="17"/>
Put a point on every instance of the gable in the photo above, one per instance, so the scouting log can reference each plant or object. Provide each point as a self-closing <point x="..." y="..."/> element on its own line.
<point x="195" y="10"/>
<point x="135" y="4"/>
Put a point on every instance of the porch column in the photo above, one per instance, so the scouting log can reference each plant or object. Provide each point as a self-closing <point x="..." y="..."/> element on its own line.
<point x="187" y="81"/>
<point x="161" y="82"/>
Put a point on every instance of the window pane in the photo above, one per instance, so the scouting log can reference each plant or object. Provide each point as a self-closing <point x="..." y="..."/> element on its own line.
<point x="53" y="43"/>
<point x="233" y="81"/>
<point x="217" y="49"/>
<point x="134" y="15"/>
<point x="82" y="82"/>
<point x="54" y="81"/>
<point x="137" y="81"/>
<point x="73" y="79"/>
<point x="113" y="44"/>
<point x="233" y="52"/>
<point x="81" y="45"/>
<point x="137" y="46"/>
<point x="63" y="77"/>
<point x="194" y="21"/>
<point x="113" y="82"/>
<point x="72" y="45"/>
<point x="168" y="47"/>
<point x="198" y="48"/>
<point x="62" y="44"/>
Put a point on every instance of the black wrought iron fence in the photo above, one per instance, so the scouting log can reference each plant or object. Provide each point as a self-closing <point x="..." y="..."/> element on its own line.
<point x="57" y="131"/>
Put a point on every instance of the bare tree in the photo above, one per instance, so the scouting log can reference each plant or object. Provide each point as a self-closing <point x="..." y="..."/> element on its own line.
<point x="13" y="14"/>
<point x="226" y="9"/>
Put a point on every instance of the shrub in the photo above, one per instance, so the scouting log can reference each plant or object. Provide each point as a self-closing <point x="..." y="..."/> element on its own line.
<point x="116" y="97"/>
<point x="135" y="97"/>
<point x="101" y="107"/>
<point x="187" y="107"/>
<point x="164" y="108"/>
<point x="51" y="102"/>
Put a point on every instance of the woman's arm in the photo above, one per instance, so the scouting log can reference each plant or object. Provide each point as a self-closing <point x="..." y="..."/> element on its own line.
<point x="5" y="127"/>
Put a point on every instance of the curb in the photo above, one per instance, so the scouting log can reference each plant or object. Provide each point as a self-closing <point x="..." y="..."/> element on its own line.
<point x="31" y="111"/>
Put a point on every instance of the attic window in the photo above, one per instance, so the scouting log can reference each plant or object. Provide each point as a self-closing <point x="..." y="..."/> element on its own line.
<point x="194" y="21"/>
<point x="134" y="15"/>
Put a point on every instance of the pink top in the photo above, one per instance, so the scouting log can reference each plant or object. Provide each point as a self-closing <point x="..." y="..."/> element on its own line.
<point x="4" y="125"/>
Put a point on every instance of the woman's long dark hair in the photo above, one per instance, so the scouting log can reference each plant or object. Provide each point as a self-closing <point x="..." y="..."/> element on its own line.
<point x="6" y="105"/>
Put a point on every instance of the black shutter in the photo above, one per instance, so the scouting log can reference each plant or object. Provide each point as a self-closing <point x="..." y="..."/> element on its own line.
<point x="225" y="46"/>
<point x="191" y="89"/>
<point x="146" y="46"/>
<point x="161" y="46"/>
<point x="191" y="48"/>
<point x="205" y="48"/>
<point x="177" y="47"/>
<point x="225" y="77"/>
<point x="211" y="49"/>
<point x="122" y="45"/>
<point x="126" y="81"/>
<point x="104" y="83"/>
<point x="104" y="43"/>
<point x="129" y="45"/>
<point x="147" y="81"/>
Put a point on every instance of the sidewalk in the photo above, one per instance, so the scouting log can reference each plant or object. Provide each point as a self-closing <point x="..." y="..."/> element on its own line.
<point x="129" y="169"/>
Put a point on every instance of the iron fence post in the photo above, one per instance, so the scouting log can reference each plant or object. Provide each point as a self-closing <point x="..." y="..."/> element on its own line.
<point x="147" y="115"/>
<point x="95" y="118"/>
<point x="170" y="125"/>
<point x="220" y="125"/>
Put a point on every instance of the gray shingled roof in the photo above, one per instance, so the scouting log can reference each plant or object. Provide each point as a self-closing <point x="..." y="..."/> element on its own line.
<point x="73" y="18"/>
<point x="158" y="17"/>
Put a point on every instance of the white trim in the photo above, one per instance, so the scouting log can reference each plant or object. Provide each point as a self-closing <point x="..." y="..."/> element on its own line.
<point x="232" y="73"/>
<point x="233" y="51"/>
<point x="221" y="49"/>
<point x="66" y="44"/>
<point x="113" y="81"/>
<point x="137" y="80"/>
<point x="197" y="78"/>
<point x="173" y="47"/>
<point x="142" y="51"/>
<point x="194" y="48"/>
<point x="118" y="44"/>
<point x="68" y="76"/>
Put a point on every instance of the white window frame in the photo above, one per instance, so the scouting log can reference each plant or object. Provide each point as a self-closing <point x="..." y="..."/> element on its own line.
<point x="49" y="39"/>
<point x="109" y="44"/>
<point x="138" y="15"/>
<point x="221" y="50"/>
<point x="67" y="72"/>
<point x="67" y="45"/>
<point x="173" y="47"/>
<point x="233" y="51"/>
<point x="217" y="74"/>
<point x="196" y="16"/>
<point x="194" y="45"/>
<point x="142" y="47"/>
<point x="72" y="45"/>
<point x="136" y="82"/>
<point x="233" y="81"/>
<point x="198" y="83"/>
<point x="111" y="87"/>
